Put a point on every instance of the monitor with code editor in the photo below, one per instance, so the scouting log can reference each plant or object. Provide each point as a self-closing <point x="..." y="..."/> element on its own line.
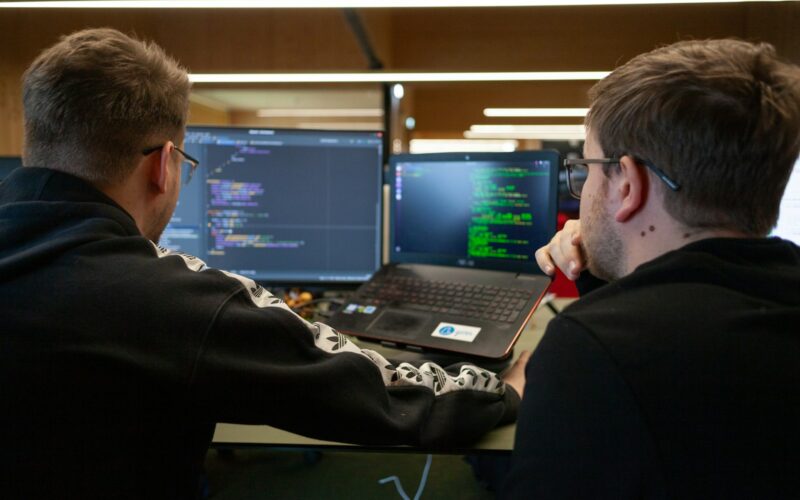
<point x="282" y="206"/>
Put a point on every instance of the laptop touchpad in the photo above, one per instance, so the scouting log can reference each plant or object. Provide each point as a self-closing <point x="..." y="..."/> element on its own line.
<point x="398" y="323"/>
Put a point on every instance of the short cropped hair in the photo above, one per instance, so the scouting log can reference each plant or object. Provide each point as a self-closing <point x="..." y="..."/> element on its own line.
<point x="96" y="99"/>
<point x="720" y="117"/>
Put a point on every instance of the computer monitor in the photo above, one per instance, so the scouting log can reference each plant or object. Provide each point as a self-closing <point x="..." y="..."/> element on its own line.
<point x="788" y="226"/>
<point x="7" y="164"/>
<point x="483" y="210"/>
<point x="282" y="206"/>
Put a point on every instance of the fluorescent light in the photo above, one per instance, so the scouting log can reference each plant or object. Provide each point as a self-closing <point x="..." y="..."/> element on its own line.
<point x="341" y="125"/>
<point x="544" y="132"/>
<point x="398" y="91"/>
<point x="461" y="145"/>
<point x="208" y="102"/>
<point x="391" y="77"/>
<point x="332" y="4"/>
<point x="320" y="113"/>
<point x="528" y="128"/>
<point x="535" y="112"/>
<point x="524" y="135"/>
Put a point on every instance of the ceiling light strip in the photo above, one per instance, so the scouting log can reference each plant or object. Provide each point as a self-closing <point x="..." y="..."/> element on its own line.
<point x="376" y="126"/>
<point x="333" y="4"/>
<point x="387" y="77"/>
<point x="320" y="113"/>
<point x="544" y="132"/>
<point x="525" y="135"/>
<point x="573" y="129"/>
<point x="461" y="145"/>
<point x="535" y="112"/>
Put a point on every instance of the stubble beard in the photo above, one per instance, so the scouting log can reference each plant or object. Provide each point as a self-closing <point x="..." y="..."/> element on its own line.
<point x="162" y="217"/>
<point x="605" y="253"/>
<point x="159" y="224"/>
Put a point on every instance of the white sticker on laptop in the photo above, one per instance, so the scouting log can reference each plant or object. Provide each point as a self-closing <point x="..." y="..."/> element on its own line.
<point x="452" y="331"/>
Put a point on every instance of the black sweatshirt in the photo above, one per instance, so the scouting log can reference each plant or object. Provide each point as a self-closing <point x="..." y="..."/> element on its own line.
<point x="117" y="357"/>
<point x="680" y="380"/>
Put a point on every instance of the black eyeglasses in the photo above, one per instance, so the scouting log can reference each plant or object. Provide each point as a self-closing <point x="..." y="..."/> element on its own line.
<point x="187" y="173"/>
<point x="578" y="170"/>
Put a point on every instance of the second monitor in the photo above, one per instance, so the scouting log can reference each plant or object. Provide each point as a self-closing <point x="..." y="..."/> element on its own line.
<point x="283" y="206"/>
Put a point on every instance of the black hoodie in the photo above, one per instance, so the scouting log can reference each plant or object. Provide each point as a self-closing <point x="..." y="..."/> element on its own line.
<point x="117" y="357"/>
<point x="680" y="380"/>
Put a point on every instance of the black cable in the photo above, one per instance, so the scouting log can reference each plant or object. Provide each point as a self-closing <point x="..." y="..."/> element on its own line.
<point x="553" y="308"/>
<point x="357" y="27"/>
<point x="354" y="21"/>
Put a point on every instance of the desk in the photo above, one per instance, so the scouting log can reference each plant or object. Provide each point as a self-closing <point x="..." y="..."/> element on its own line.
<point x="500" y="439"/>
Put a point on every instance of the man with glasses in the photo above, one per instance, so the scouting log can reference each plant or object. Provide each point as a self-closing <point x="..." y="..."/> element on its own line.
<point x="117" y="356"/>
<point x="189" y="163"/>
<point x="675" y="374"/>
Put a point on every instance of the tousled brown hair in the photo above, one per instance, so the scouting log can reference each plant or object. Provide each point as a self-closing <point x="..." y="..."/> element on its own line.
<point x="96" y="99"/>
<point x="721" y="117"/>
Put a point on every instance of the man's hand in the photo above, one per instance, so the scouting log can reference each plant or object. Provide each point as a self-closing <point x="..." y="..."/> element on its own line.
<point x="515" y="376"/>
<point x="564" y="251"/>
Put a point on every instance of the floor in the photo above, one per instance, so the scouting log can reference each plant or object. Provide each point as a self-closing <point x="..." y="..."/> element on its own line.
<point x="259" y="473"/>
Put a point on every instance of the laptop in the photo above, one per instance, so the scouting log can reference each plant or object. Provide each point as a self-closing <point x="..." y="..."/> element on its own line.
<point x="461" y="277"/>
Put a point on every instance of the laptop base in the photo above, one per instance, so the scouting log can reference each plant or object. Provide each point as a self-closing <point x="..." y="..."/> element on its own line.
<point x="441" y="358"/>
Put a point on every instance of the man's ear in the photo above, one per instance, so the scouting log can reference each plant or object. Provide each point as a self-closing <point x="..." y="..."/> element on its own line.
<point x="159" y="167"/>
<point x="632" y="188"/>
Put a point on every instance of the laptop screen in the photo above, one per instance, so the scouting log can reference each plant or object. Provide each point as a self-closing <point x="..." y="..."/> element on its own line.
<point x="481" y="210"/>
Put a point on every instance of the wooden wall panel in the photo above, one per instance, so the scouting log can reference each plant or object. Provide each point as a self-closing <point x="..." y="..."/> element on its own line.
<point x="457" y="106"/>
<point x="200" y="114"/>
<point x="245" y="118"/>
<point x="598" y="38"/>
<point x="203" y="40"/>
<point x="378" y="25"/>
<point x="10" y="116"/>
<point x="553" y="38"/>
<point x="529" y="39"/>
<point x="778" y="26"/>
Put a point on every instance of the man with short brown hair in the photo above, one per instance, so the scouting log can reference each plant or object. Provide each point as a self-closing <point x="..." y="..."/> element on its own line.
<point x="97" y="99"/>
<point x="117" y="356"/>
<point x="677" y="378"/>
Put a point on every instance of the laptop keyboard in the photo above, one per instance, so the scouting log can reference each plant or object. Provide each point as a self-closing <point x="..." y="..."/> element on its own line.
<point x="462" y="299"/>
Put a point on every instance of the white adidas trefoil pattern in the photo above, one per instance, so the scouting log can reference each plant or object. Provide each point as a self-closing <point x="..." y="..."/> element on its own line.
<point x="329" y="340"/>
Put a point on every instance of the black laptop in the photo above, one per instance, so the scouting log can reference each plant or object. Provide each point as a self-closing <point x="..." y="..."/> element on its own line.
<point x="463" y="231"/>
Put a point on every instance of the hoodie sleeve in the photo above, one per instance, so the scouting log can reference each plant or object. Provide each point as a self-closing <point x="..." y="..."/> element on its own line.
<point x="263" y="364"/>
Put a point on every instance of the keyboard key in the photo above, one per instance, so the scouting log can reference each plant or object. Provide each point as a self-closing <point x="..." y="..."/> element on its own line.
<point x="462" y="299"/>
